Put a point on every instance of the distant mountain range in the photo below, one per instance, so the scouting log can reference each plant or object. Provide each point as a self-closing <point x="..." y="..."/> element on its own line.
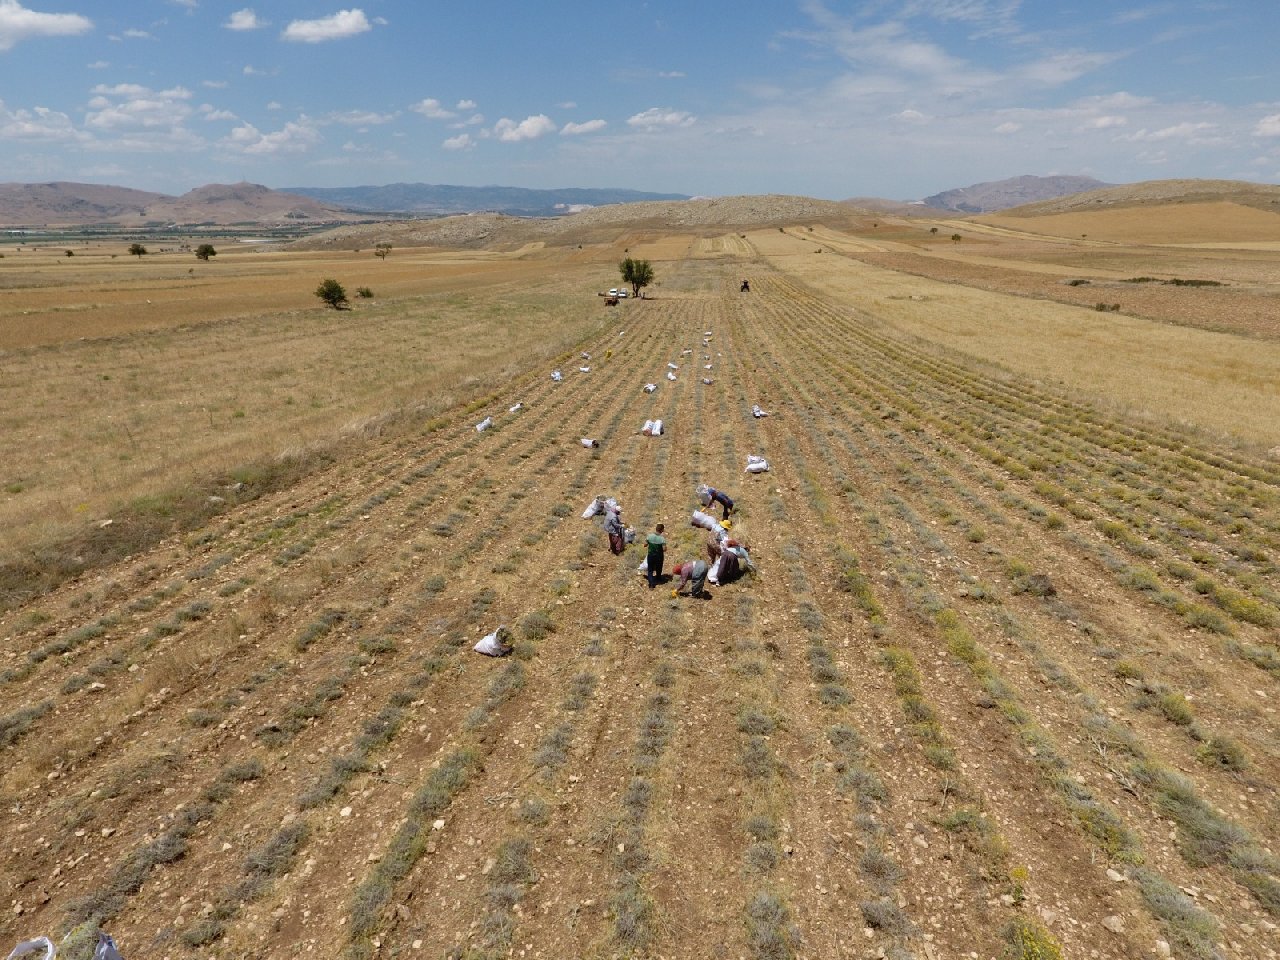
<point x="1013" y="192"/>
<point x="27" y="205"/>
<point x="443" y="200"/>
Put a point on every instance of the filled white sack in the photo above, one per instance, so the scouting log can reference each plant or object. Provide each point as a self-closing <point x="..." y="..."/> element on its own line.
<point x="496" y="644"/>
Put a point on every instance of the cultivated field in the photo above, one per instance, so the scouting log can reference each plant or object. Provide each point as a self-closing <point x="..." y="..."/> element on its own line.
<point x="1003" y="686"/>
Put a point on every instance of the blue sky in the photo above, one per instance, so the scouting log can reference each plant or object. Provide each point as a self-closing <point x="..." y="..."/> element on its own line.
<point x="888" y="98"/>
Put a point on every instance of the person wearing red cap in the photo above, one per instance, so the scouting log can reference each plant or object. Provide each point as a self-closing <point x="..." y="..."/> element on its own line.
<point x="694" y="571"/>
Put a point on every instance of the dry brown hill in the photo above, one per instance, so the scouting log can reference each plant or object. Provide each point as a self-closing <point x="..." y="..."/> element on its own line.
<point x="242" y="203"/>
<point x="1195" y="212"/>
<point x="599" y="224"/>
<point x="56" y="204"/>
<point x="1262" y="196"/>
<point x="79" y="204"/>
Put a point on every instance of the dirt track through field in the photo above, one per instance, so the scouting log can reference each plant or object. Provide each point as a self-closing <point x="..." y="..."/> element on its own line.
<point x="1005" y="672"/>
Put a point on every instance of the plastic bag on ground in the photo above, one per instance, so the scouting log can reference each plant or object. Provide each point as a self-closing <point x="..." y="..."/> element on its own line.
<point x="706" y="366"/>
<point x="708" y="381"/>
<point x="484" y="424"/>
<point x="674" y="366"/>
<point x="704" y="494"/>
<point x="588" y="442"/>
<point x="650" y="387"/>
<point x="515" y="409"/>
<point x="756" y="464"/>
<point x="594" y="507"/>
<point x="496" y="644"/>
<point x="757" y="412"/>
<point x="586" y="356"/>
<point x="652" y="428"/>
<point x="557" y="376"/>
<point x="670" y="375"/>
<point x="685" y="353"/>
<point x="584" y="369"/>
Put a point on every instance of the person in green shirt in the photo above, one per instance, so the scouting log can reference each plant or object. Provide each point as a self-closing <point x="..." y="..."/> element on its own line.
<point x="653" y="560"/>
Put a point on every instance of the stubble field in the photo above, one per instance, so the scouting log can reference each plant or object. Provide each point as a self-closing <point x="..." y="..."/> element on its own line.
<point x="1003" y="684"/>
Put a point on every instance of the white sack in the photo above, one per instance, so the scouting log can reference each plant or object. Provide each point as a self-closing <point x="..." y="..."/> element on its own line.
<point x="496" y="644"/>
<point x="484" y="424"/>
<point x="757" y="412"/>
<point x="756" y="464"/>
<point x="28" y="948"/>
<point x="708" y="381"/>
<point x="706" y="522"/>
<point x="584" y="369"/>
<point x="650" y="387"/>
<point x="516" y="409"/>
<point x="594" y="507"/>
<point x="588" y="442"/>
<point x="557" y="376"/>
<point x="586" y="356"/>
<point x="670" y="375"/>
<point x="674" y="366"/>
<point x="706" y="366"/>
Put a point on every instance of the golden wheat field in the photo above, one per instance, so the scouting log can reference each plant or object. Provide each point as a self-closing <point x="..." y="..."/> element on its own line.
<point x="1002" y="683"/>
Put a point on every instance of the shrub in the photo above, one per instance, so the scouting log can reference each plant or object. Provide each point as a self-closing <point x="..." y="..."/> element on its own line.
<point x="364" y="293"/>
<point x="332" y="293"/>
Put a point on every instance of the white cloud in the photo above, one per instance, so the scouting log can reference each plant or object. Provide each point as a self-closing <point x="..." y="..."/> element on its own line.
<point x="274" y="105"/>
<point x="530" y="128"/>
<point x="462" y="141"/>
<point x="212" y="113"/>
<point x="98" y="65"/>
<point x="360" y="118"/>
<point x="129" y="107"/>
<point x="215" y="84"/>
<point x="17" y="23"/>
<point x="656" y="117"/>
<point x="337" y="26"/>
<point x="465" y="105"/>
<point x="1008" y="127"/>
<point x="294" y="137"/>
<point x="1105" y="122"/>
<point x="251" y="71"/>
<point x="38" y="124"/>
<point x="245" y="19"/>
<point x="591" y="126"/>
<point x="671" y="74"/>
<point x="1181" y="131"/>
<point x="135" y="34"/>
<point x="910" y="116"/>
<point x="568" y="105"/>
<point x="472" y="121"/>
<point x="189" y="4"/>
<point x="1268" y="126"/>
<point x="432" y="109"/>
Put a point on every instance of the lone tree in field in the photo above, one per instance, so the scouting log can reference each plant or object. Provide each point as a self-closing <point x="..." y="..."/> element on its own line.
<point x="137" y="250"/>
<point x="331" y="292"/>
<point x="205" y="251"/>
<point x="638" y="273"/>
<point x="380" y="250"/>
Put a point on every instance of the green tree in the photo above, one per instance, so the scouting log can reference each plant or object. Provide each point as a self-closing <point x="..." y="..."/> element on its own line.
<point x="955" y="238"/>
<point x="332" y="293"/>
<point x="137" y="250"/>
<point x="205" y="251"/>
<point x="380" y="250"/>
<point x="638" y="273"/>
